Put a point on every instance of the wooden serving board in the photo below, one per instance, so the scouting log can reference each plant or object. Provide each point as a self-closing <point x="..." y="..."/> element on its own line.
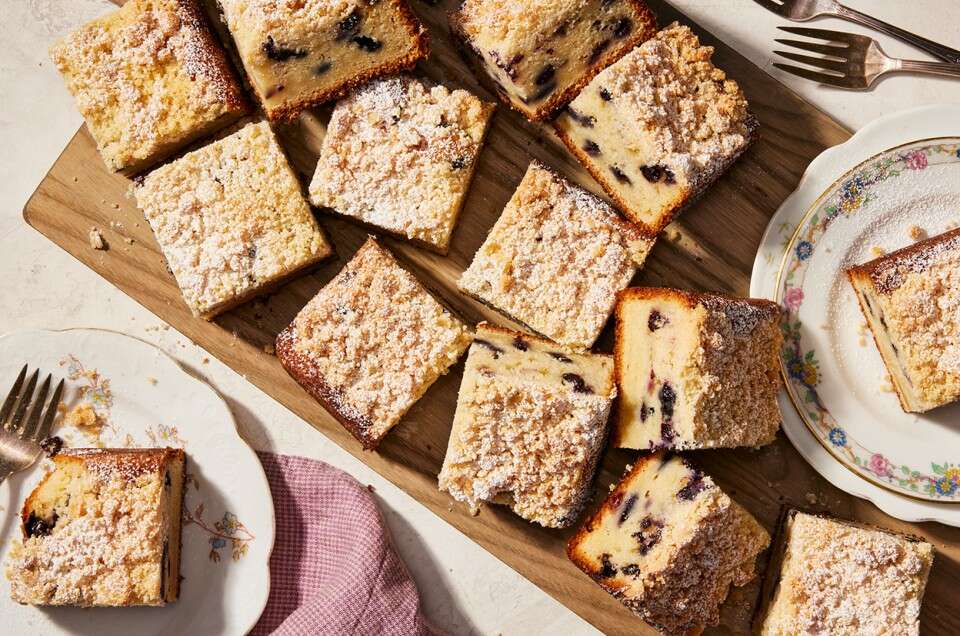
<point x="711" y="247"/>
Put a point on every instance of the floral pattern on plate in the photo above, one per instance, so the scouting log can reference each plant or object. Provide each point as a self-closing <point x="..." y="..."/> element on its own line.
<point x="935" y="478"/>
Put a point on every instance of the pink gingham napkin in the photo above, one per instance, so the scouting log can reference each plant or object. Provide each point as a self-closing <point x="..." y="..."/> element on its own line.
<point x="333" y="568"/>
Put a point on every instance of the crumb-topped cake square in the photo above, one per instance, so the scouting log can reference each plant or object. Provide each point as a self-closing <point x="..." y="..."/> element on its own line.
<point x="231" y="220"/>
<point x="399" y="155"/>
<point x="371" y="343"/>
<point x="668" y="543"/>
<point x="301" y="53"/>
<point x="102" y="529"/>
<point x="555" y="259"/>
<point x="696" y="370"/>
<point x="659" y="126"/>
<point x="844" y="579"/>
<point x="910" y="298"/>
<point x="539" y="53"/>
<point x="530" y="423"/>
<point x="148" y="78"/>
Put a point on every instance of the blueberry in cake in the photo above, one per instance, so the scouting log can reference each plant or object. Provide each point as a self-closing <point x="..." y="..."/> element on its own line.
<point x="148" y="78"/>
<point x="910" y="299"/>
<point x="102" y="529"/>
<point x="231" y="220"/>
<point x="539" y="53"/>
<point x="555" y="259"/>
<point x="657" y="127"/>
<point x="696" y="370"/>
<point x="668" y="543"/>
<point x="845" y="579"/>
<point x="371" y="343"/>
<point x="399" y="155"/>
<point x="530" y="423"/>
<point x="300" y="53"/>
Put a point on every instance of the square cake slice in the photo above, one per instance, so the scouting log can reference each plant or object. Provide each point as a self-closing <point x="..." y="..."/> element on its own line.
<point x="148" y="78"/>
<point x="659" y="126"/>
<point x="231" y="220"/>
<point x="539" y="53"/>
<point x="555" y="259"/>
<point x="910" y="299"/>
<point x="696" y="370"/>
<point x="845" y="579"/>
<point x="399" y="156"/>
<point x="668" y="543"/>
<point x="301" y="53"/>
<point x="531" y="421"/>
<point x="102" y="529"/>
<point x="371" y="343"/>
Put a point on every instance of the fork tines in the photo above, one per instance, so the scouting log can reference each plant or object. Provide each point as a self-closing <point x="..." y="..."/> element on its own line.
<point x="19" y="399"/>
<point x="839" y="50"/>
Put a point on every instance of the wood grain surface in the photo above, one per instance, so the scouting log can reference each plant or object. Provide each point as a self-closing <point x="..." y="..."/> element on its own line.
<point x="710" y="247"/>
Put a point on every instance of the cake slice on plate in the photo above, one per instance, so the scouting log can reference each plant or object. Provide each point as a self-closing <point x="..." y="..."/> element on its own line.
<point x="696" y="370"/>
<point x="845" y="579"/>
<point x="102" y="529"/>
<point x="657" y="127"/>
<point x="910" y="298"/>
<point x="668" y="543"/>
<point x="530" y="423"/>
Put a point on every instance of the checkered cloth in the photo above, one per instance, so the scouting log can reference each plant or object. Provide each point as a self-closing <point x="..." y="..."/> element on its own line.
<point x="333" y="569"/>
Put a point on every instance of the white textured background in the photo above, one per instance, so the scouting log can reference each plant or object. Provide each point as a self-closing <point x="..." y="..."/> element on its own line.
<point x="466" y="591"/>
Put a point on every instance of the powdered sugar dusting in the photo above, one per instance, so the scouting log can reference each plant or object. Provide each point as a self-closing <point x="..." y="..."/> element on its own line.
<point x="556" y="259"/>
<point x="844" y="580"/>
<point x="147" y="76"/>
<point x="376" y="339"/>
<point x="668" y="89"/>
<point x="399" y="155"/>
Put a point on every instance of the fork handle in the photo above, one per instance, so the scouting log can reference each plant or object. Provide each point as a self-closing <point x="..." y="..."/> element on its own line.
<point x="937" y="68"/>
<point x="933" y="48"/>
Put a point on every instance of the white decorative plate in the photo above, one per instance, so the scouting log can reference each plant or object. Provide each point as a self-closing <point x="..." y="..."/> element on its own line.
<point x="144" y="398"/>
<point x="897" y="173"/>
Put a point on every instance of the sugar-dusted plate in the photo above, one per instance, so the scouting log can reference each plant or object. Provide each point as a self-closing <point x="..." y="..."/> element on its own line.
<point x="894" y="181"/>
<point x="144" y="398"/>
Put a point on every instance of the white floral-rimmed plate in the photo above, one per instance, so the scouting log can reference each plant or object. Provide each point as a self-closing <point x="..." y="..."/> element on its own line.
<point x="144" y="398"/>
<point x="896" y="177"/>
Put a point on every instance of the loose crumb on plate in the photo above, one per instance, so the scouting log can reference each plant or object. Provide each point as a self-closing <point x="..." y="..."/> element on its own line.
<point x="917" y="233"/>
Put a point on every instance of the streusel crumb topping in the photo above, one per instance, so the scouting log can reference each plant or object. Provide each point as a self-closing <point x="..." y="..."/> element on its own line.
<point x="377" y="339"/>
<point x="669" y="87"/>
<point x="399" y="155"/>
<point x="840" y="579"/>
<point x="297" y="20"/>
<point x="542" y="466"/>
<point x="556" y="259"/>
<point x="144" y="75"/>
<point x="509" y="27"/>
<point x="230" y="218"/>
<point x="104" y="552"/>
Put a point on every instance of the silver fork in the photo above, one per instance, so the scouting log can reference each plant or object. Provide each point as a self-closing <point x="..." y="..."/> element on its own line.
<point x="853" y="61"/>
<point x="20" y="438"/>
<point x="803" y="10"/>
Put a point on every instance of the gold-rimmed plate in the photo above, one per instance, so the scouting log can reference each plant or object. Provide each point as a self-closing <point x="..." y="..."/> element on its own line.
<point x="892" y="183"/>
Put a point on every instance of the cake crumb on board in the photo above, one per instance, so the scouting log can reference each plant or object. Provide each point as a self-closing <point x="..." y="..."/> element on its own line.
<point x="96" y="239"/>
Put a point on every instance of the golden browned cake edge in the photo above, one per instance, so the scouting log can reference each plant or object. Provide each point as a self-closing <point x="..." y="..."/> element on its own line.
<point x="421" y="49"/>
<point x="552" y="106"/>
